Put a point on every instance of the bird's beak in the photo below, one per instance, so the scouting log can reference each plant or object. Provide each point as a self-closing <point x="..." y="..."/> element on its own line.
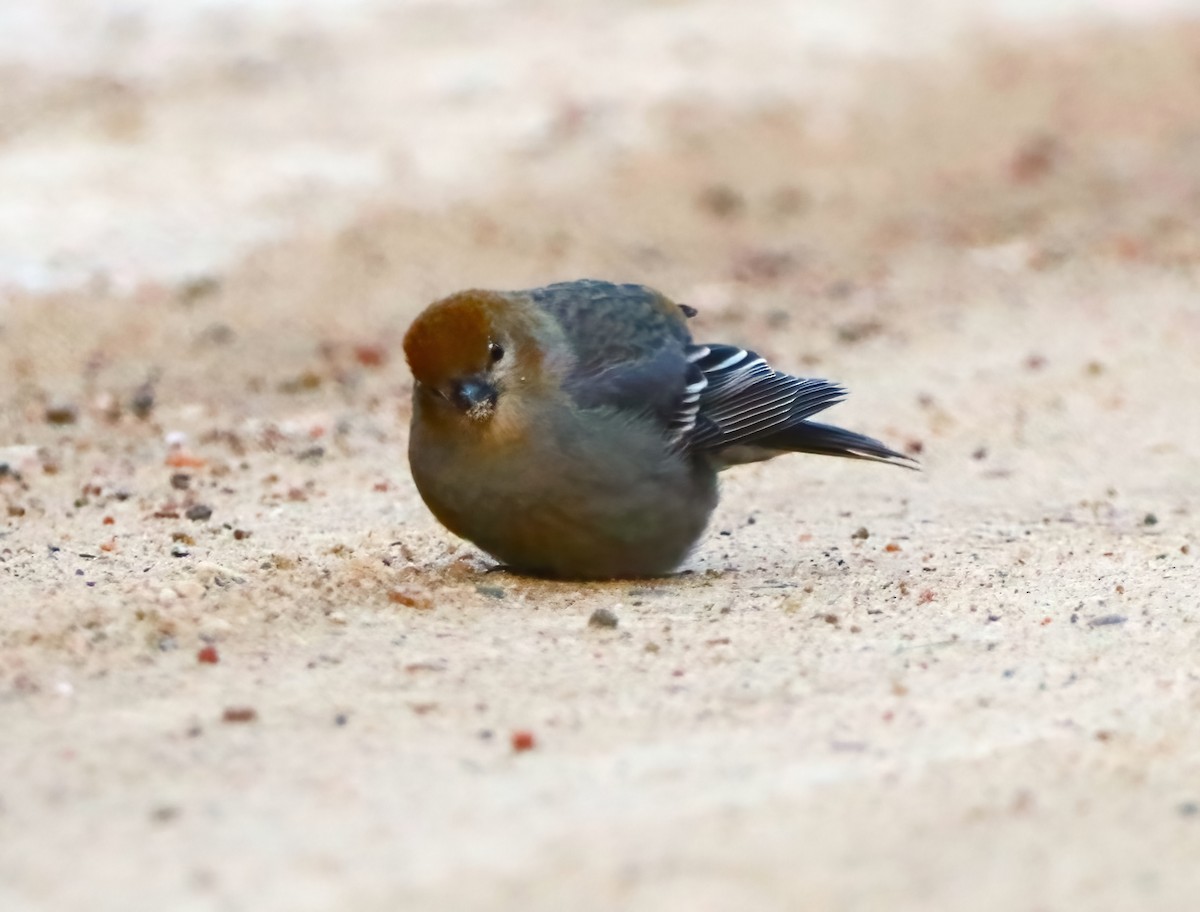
<point x="474" y="396"/>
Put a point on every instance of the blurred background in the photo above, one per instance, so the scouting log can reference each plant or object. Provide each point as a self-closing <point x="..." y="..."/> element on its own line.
<point x="148" y="142"/>
<point x="326" y="166"/>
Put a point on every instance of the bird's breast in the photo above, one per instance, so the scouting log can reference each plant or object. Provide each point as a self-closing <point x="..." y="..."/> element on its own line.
<point x="591" y="495"/>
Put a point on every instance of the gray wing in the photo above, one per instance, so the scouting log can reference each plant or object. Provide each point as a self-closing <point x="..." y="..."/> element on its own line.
<point x="629" y="342"/>
<point x="634" y="353"/>
<point x="609" y="324"/>
<point x="652" y="386"/>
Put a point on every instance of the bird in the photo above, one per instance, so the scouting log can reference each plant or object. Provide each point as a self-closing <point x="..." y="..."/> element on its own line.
<point x="576" y="430"/>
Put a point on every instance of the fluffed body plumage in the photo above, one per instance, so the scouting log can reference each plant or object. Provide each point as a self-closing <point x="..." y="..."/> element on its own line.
<point x="576" y="430"/>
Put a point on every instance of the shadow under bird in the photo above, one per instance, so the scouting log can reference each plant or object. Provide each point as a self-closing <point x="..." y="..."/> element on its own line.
<point x="576" y="430"/>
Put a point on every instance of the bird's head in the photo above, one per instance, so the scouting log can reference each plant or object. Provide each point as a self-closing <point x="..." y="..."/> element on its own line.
<point x="468" y="351"/>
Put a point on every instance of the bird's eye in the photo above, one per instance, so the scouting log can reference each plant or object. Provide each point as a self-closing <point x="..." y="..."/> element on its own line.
<point x="495" y="351"/>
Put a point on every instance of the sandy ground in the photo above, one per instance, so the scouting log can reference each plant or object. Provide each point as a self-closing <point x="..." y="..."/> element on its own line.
<point x="977" y="687"/>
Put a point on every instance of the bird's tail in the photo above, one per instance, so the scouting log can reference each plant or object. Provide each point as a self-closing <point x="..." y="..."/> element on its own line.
<point x="827" y="440"/>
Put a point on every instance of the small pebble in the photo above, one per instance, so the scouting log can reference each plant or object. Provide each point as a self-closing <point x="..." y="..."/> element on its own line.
<point x="523" y="741"/>
<point x="164" y="814"/>
<point x="208" y="656"/>
<point x="1107" y="620"/>
<point x="603" y="617"/>
<point x="721" y="201"/>
<point x="413" y="598"/>
<point x="198" y="512"/>
<point x="61" y="414"/>
<point x="370" y="355"/>
<point x="861" y="533"/>
<point x="142" y="403"/>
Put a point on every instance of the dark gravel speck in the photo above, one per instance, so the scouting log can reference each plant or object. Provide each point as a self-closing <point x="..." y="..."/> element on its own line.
<point x="142" y="403"/>
<point x="603" y="617"/>
<point x="1107" y="620"/>
<point x="61" y="414"/>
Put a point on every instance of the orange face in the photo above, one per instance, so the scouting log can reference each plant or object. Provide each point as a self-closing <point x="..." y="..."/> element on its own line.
<point x="478" y="363"/>
<point x="454" y="338"/>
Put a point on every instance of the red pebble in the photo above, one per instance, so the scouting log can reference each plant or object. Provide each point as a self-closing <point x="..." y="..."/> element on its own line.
<point x="208" y="656"/>
<point x="370" y="355"/>
<point x="523" y="741"/>
<point x="180" y="459"/>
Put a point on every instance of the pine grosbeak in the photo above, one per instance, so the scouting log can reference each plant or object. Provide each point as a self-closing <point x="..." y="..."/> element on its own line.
<point x="576" y="430"/>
